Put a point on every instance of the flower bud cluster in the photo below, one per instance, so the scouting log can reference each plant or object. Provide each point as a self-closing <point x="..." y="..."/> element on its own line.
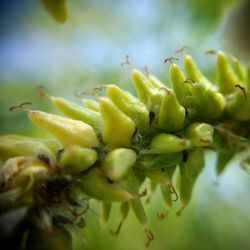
<point x="106" y="149"/>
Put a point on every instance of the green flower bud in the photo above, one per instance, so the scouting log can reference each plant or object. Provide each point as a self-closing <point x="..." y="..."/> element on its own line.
<point x="189" y="172"/>
<point x="66" y="130"/>
<point x="139" y="211"/>
<point x="194" y="73"/>
<point x="78" y="112"/>
<point x="161" y="176"/>
<point x="58" y="9"/>
<point x="160" y="160"/>
<point x="239" y="69"/>
<point x="118" y="128"/>
<point x="91" y="104"/>
<point x="27" y="177"/>
<point x="171" y="114"/>
<point x="117" y="163"/>
<point x="16" y="165"/>
<point x="14" y="145"/>
<point x="124" y="210"/>
<point x="168" y="143"/>
<point x="209" y="103"/>
<point x="166" y="195"/>
<point x="106" y="207"/>
<point x="181" y="89"/>
<point x="167" y="191"/>
<point x="156" y="82"/>
<point x="238" y="105"/>
<point x="75" y="159"/>
<point x="130" y="106"/>
<point x="140" y="214"/>
<point x="97" y="186"/>
<point x="226" y="78"/>
<point x="146" y="91"/>
<point x="222" y="161"/>
<point x="200" y="134"/>
<point x="21" y="173"/>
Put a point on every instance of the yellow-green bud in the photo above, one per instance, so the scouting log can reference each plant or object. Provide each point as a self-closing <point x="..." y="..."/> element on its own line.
<point x="200" y="134"/>
<point x="171" y="114"/>
<point x="210" y="104"/>
<point x="130" y="106"/>
<point x="160" y="160"/>
<point x="223" y="158"/>
<point x="91" y="104"/>
<point x="182" y="90"/>
<point x="14" y="145"/>
<point x="146" y="91"/>
<point x="97" y="186"/>
<point x="189" y="172"/>
<point x="75" y="159"/>
<point x="78" y="112"/>
<point x="168" y="143"/>
<point x="118" y="162"/>
<point x="238" y="105"/>
<point x="156" y="82"/>
<point x="66" y="130"/>
<point x="118" y="128"/>
<point x="106" y="207"/>
<point x="226" y="78"/>
<point x="194" y="73"/>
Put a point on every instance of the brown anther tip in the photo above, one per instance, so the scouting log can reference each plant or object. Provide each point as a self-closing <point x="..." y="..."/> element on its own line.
<point x="149" y="235"/>
<point x="100" y="88"/>
<point x="243" y="90"/>
<point x="118" y="229"/>
<point x="179" y="213"/>
<point x="170" y="59"/>
<point x="207" y="141"/>
<point x="182" y="49"/>
<point x="21" y="106"/>
<point x="148" y="199"/>
<point x="40" y="92"/>
<point x="162" y="216"/>
<point x="127" y="62"/>
<point x="189" y="81"/>
<point x="144" y="193"/>
<point x="211" y="52"/>
<point x="173" y="191"/>
<point x="146" y="70"/>
<point x="165" y="89"/>
<point x="77" y="94"/>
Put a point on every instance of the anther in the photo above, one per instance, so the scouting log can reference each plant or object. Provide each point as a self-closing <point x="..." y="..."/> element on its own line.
<point x="174" y="192"/>
<point x="170" y="59"/>
<point x="243" y="90"/>
<point x="189" y="81"/>
<point x="21" y="106"/>
<point x="211" y="52"/>
<point x="182" y="49"/>
<point x="127" y="62"/>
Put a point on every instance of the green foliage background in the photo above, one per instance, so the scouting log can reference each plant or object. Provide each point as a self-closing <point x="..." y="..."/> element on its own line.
<point x="86" y="51"/>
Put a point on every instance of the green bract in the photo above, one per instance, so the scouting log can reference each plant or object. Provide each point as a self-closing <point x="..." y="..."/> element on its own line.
<point x="107" y="149"/>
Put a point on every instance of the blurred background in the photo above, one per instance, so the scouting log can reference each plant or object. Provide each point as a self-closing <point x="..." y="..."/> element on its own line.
<point x="86" y="51"/>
